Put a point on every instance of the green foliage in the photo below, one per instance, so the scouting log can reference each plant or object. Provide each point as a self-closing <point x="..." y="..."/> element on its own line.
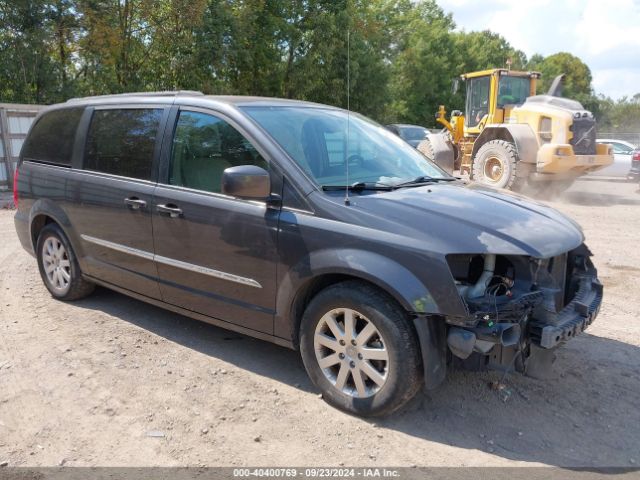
<point x="622" y="116"/>
<point x="403" y="54"/>
<point x="577" y="77"/>
<point x="29" y="71"/>
<point x="577" y="80"/>
<point x="483" y="50"/>
<point x="424" y="65"/>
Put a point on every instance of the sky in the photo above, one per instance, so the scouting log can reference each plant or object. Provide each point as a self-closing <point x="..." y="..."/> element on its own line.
<point x="605" y="34"/>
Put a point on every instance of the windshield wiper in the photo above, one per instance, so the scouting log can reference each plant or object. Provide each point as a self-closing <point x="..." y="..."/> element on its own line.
<point x="424" y="180"/>
<point x="358" y="187"/>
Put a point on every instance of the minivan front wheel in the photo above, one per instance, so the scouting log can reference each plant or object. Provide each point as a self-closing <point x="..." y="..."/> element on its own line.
<point x="59" y="266"/>
<point x="359" y="349"/>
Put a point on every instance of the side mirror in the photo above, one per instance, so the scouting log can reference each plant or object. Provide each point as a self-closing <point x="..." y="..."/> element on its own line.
<point x="246" y="181"/>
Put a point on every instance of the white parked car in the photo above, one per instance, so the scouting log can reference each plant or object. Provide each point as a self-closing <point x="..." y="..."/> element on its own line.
<point x="622" y="152"/>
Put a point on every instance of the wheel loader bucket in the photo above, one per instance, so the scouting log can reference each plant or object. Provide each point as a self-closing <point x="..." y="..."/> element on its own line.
<point x="438" y="147"/>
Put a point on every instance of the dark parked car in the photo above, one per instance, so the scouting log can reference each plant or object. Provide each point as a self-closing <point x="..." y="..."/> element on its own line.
<point x="261" y="216"/>
<point x="412" y="134"/>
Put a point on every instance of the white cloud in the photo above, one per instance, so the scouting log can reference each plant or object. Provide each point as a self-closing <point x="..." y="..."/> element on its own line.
<point x="604" y="34"/>
<point x="618" y="82"/>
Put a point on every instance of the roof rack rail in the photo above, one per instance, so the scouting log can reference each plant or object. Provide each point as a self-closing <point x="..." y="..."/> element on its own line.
<point x="173" y="93"/>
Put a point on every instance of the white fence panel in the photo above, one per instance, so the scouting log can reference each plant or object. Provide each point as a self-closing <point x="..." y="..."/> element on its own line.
<point x="15" y="121"/>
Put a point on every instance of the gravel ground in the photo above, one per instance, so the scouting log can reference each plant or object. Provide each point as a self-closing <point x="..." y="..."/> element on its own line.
<point x="113" y="381"/>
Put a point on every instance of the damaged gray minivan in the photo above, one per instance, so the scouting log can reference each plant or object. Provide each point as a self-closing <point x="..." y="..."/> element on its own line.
<point x="304" y="225"/>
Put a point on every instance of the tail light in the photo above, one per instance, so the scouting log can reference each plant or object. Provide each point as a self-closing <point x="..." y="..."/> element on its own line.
<point x="15" y="187"/>
<point x="636" y="155"/>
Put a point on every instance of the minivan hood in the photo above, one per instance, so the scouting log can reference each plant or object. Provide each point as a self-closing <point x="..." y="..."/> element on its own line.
<point x="469" y="218"/>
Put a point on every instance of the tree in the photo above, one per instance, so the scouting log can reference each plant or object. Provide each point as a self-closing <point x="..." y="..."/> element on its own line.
<point x="577" y="80"/>
<point x="115" y="44"/>
<point x="401" y="60"/>
<point x="30" y="71"/>
<point x="486" y="49"/>
<point x="424" y="64"/>
<point x="65" y="33"/>
<point x="172" y="31"/>
<point x="622" y="116"/>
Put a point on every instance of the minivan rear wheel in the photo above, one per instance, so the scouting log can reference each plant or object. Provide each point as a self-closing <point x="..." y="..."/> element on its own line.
<point x="59" y="266"/>
<point x="360" y="350"/>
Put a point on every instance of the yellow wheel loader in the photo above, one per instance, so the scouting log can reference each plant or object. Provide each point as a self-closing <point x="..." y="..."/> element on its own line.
<point x="509" y="137"/>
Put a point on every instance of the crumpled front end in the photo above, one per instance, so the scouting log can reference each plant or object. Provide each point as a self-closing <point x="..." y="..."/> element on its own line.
<point x="521" y="308"/>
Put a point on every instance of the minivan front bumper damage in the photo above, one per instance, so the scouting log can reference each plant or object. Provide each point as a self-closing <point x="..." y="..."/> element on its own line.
<point x="542" y="304"/>
<point x="573" y="319"/>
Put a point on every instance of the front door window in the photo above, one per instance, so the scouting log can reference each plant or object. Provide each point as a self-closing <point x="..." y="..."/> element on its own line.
<point x="203" y="147"/>
<point x="477" y="100"/>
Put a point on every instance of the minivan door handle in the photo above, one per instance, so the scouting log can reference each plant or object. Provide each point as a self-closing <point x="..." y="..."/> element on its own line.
<point x="135" y="203"/>
<point x="171" y="209"/>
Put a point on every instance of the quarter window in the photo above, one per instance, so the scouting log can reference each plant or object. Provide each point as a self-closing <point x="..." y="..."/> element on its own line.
<point x="121" y="142"/>
<point x="52" y="137"/>
<point x="203" y="147"/>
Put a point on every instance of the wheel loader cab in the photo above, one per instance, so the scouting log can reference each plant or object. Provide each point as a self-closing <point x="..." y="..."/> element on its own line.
<point x="492" y="94"/>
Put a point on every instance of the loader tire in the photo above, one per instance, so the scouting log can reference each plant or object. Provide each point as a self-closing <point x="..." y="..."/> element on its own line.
<point x="496" y="165"/>
<point x="523" y="172"/>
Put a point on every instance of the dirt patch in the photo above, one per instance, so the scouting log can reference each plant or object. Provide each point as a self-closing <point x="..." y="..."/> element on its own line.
<point x="113" y="381"/>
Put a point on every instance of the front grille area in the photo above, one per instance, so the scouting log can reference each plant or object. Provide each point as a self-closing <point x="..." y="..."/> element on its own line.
<point x="584" y="136"/>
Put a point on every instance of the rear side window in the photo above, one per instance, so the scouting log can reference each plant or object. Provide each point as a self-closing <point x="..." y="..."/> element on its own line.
<point x="52" y="137"/>
<point x="121" y="142"/>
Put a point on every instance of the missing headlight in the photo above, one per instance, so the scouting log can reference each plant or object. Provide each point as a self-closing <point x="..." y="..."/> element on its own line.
<point x="472" y="274"/>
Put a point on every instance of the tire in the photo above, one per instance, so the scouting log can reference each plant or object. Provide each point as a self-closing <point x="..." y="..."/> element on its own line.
<point x="54" y="251"/>
<point x="521" y="183"/>
<point x="392" y="373"/>
<point x="496" y="164"/>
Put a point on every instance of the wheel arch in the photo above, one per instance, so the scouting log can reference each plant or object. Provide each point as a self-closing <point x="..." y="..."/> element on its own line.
<point x="327" y="267"/>
<point x="520" y="135"/>
<point x="315" y="285"/>
<point x="37" y="223"/>
<point x="45" y="211"/>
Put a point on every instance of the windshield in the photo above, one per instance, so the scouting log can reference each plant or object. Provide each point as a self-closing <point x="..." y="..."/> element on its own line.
<point x="413" y="133"/>
<point x="513" y="90"/>
<point x="622" y="148"/>
<point x="316" y="139"/>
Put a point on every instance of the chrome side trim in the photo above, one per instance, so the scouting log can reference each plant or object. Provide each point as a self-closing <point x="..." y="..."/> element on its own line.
<point x="172" y="262"/>
<point x="297" y="210"/>
<point x="118" y="247"/>
<point x="207" y="271"/>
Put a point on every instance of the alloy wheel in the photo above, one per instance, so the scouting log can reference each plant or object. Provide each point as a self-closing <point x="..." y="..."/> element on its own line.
<point x="351" y="352"/>
<point x="57" y="266"/>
